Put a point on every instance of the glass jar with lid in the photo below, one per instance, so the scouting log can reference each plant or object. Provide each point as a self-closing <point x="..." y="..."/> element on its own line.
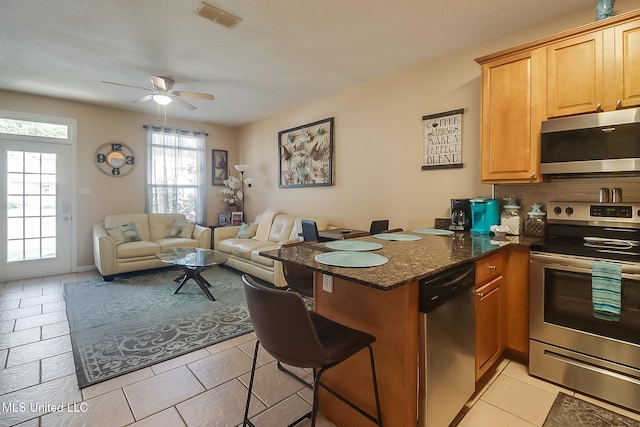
<point x="534" y="225"/>
<point x="510" y="217"/>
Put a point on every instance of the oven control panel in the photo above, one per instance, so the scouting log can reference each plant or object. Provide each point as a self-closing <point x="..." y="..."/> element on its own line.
<point x="584" y="212"/>
<point x="611" y="211"/>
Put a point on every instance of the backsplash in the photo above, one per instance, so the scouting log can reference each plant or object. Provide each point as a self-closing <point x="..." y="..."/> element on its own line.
<point x="569" y="189"/>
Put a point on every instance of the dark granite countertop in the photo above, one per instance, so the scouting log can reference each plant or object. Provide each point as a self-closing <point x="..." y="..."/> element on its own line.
<point x="408" y="260"/>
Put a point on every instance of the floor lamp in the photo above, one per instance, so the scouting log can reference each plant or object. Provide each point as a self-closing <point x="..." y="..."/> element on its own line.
<point x="244" y="184"/>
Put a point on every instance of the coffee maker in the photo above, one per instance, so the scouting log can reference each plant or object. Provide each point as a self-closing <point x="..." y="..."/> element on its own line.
<point x="484" y="214"/>
<point x="460" y="215"/>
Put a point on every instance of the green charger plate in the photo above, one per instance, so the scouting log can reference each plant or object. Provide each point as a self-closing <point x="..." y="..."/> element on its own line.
<point x="434" y="231"/>
<point x="397" y="236"/>
<point x="351" y="259"/>
<point x="353" y="245"/>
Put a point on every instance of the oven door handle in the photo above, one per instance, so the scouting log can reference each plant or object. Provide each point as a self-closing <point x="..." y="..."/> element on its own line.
<point x="609" y="242"/>
<point x="563" y="262"/>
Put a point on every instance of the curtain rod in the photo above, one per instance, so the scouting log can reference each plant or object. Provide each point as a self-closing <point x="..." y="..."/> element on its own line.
<point x="171" y="129"/>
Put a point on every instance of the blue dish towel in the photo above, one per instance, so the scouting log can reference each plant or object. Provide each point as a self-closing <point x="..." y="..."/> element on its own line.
<point x="606" y="280"/>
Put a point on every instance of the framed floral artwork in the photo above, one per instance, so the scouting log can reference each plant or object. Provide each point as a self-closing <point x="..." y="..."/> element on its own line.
<point x="306" y="155"/>
<point x="219" y="166"/>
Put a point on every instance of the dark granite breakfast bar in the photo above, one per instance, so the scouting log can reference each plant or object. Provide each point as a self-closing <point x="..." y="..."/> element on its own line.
<point x="408" y="260"/>
<point x="383" y="301"/>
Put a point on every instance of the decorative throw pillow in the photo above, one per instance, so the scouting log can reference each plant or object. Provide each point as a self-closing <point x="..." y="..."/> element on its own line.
<point x="187" y="231"/>
<point x="247" y="231"/>
<point x="124" y="233"/>
<point x="175" y="229"/>
<point x="116" y="234"/>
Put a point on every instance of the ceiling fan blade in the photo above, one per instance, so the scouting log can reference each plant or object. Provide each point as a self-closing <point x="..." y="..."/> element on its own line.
<point x="163" y="84"/>
<point x="122" y="84"/>
<point x="205" y="96"/>
<point x="182" y="102"/>
<point x="143" y="99"/>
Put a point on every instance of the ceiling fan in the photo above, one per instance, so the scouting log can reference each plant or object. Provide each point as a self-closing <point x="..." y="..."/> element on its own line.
<point x="163" y="94"/>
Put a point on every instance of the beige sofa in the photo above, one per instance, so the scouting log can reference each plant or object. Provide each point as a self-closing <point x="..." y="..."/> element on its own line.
<point x="130" y="242"/>
<point x="244" y="253"/>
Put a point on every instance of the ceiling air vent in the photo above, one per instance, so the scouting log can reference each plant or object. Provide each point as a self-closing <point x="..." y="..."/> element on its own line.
<point x="218" y="15"/>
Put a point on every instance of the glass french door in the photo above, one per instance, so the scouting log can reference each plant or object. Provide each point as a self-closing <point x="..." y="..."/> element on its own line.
<point x="35" y="225"/>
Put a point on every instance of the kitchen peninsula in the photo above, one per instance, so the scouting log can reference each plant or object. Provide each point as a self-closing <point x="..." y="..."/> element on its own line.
<point x="383" y="301"/>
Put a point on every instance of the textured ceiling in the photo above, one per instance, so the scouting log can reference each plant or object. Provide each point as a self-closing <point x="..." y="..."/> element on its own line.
<point x="282" y="54"/>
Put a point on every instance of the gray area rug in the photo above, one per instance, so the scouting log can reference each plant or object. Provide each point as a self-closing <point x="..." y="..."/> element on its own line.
<point x="136" y="321"/>
<point x="570" y="411"/>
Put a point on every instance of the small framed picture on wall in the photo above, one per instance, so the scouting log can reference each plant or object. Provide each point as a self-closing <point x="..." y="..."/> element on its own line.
<point x="219" y="166"/>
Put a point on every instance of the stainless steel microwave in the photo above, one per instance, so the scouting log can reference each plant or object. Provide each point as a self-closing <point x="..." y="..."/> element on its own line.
<point x="591" y="143"/>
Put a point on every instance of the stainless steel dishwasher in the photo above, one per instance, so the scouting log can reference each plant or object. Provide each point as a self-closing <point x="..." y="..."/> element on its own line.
<point x="447" y="344"/>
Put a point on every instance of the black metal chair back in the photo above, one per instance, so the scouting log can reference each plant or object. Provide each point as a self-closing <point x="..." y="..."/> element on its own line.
<point x="378" y="226"/>
<point x="309" y="231"/>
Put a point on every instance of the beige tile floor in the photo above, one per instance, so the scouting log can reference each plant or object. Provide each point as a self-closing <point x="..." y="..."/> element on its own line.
<point x="208" y="387"/>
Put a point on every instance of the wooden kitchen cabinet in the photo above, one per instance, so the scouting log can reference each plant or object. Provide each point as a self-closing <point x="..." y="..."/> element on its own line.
<point x="594" y="72"/>
<point x="512" y="94"/>
<point x="590" y="68"/>
<point x="491" y="300"/>
<point x="627" y="40"/>
<point x="576" y="75"/>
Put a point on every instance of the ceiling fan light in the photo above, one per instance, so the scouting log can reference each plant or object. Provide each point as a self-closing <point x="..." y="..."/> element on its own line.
<point x="162" y="99"/>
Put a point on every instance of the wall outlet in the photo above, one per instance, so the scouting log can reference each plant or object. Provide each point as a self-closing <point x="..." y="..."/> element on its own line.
<point x="327" y="283"/>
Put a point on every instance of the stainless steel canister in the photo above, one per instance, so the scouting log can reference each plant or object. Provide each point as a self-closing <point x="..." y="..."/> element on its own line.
<point x="603" y="195"/>
<point x="616" y="195"/>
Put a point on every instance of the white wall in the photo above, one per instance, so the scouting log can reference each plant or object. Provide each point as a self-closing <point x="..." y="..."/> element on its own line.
<point x="379" y="141"/>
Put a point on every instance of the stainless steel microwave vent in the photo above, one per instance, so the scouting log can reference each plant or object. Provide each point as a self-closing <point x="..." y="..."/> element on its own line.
<point x="597" y="143"/>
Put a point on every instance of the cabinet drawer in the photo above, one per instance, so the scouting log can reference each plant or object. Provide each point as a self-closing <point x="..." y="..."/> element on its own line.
<point x="489" y="267"/>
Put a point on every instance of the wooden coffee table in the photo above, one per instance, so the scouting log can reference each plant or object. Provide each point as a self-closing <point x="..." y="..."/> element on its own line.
<point x="193" y="261"/>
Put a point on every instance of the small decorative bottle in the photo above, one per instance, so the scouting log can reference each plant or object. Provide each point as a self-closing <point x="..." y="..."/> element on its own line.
<point x="535" y="223"/>
<point x="510" y="217"/>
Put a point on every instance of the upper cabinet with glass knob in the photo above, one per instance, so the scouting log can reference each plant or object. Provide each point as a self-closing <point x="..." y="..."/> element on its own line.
<point x="594" y="72"/>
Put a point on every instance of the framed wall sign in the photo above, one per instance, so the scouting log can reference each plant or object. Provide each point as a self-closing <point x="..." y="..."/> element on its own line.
<point x="306" y="155"/>
<point x="443" y="140"/>
<point x="220" y="166"/>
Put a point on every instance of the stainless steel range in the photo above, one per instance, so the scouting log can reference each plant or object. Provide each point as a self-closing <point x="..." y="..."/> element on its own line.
<point x="576" y="339"/>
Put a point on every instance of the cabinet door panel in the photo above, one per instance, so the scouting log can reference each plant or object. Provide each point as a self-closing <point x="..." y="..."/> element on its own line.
<point x="510" y="126"/>
<point x="575" y="82"/>
<point x="490" y="325"/>
<point x="628" y="64"/>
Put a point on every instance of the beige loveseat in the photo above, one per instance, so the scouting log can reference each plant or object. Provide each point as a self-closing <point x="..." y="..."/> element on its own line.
<point x="244" y="253"/>
<point x="130" y="242"/>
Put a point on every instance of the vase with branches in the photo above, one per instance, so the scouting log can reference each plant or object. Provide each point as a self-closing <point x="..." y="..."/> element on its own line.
<point x="232" y="193"/>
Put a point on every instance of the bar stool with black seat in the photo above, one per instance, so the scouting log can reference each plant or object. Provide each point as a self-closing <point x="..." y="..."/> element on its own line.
<point x="304" y="339"/>
<point x="299" y="279"/>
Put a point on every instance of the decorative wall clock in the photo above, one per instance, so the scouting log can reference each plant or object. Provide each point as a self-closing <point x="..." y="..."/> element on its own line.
<point x="115" y="159"/>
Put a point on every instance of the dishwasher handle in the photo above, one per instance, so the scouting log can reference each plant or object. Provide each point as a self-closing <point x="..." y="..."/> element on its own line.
<point x="459" y="278"/>
<point x="437" y="290"/>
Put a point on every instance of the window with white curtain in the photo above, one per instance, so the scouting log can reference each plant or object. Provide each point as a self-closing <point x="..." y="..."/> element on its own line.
<point x="176" y="173"/>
